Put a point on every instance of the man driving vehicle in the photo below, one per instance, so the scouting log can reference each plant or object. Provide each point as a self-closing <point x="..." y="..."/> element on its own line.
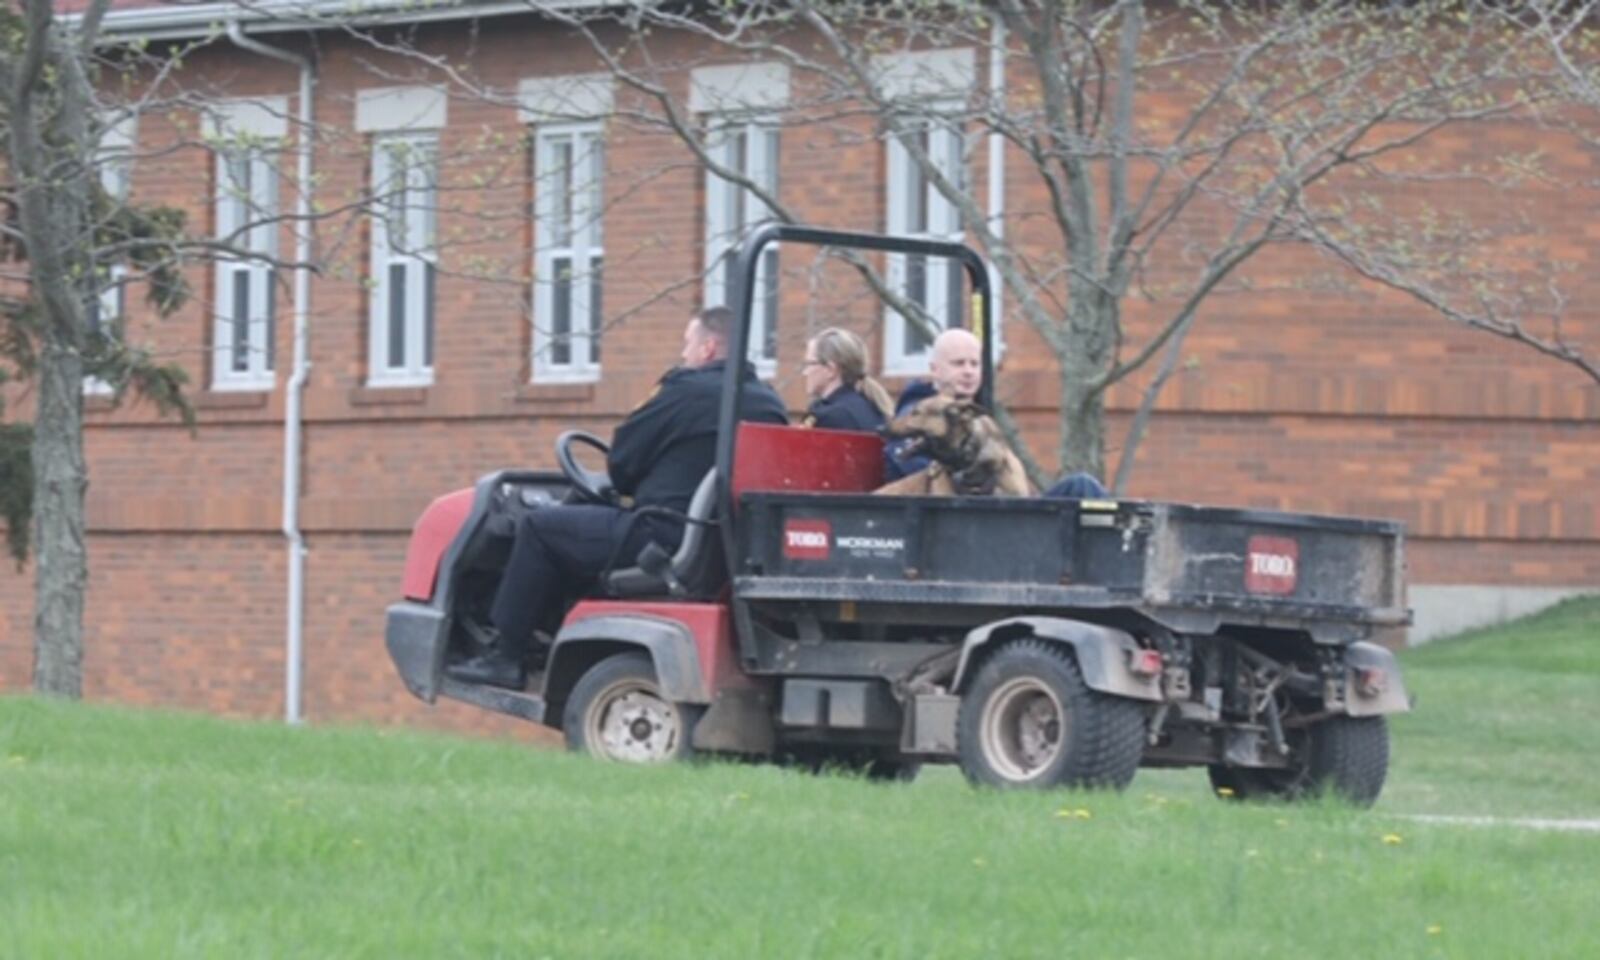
<point x="658" y="456"/>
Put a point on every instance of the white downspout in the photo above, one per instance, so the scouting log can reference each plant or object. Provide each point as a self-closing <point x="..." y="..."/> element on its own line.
<point x="294" y="652"/>
<point x="997" y="169"/>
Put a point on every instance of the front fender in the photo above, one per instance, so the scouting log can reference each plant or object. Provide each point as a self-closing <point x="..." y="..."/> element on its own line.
<point x="670" y="645"/>
<point x="1102" y="653"/>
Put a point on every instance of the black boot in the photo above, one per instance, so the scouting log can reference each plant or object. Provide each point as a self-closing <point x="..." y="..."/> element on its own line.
<point x="503" y="664"/>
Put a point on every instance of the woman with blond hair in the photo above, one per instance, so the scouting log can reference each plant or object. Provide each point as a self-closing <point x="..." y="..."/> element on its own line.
<point x="842" y="396"/>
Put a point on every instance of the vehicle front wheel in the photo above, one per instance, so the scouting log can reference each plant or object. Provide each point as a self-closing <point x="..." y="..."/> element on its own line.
<point x="1029" y="720"/>
<point x="1344" y="756"/>
<point x="616" y="712"/>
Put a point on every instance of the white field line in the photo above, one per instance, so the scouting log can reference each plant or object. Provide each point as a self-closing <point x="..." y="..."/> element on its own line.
<point x="1518" y="823"/>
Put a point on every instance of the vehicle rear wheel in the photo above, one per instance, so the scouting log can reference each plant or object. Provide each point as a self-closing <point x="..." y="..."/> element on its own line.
<point x="1345" y="756"/>
<point x="616" y="712"/>
<point x="1029" y="720"/>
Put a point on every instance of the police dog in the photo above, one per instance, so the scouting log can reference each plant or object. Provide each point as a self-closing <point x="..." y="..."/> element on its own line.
<point x="969" y="452"/>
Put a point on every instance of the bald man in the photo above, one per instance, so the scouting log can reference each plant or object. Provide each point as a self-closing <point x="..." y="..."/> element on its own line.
<point x="955" y="369"/>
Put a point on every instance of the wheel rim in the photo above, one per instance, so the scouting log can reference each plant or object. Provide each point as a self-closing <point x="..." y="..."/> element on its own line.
<point x="1023" y="729"/>
<point x="630" y="722"/>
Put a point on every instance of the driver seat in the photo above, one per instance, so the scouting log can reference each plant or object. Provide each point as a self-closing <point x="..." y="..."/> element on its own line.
<point x="687" y="572"/>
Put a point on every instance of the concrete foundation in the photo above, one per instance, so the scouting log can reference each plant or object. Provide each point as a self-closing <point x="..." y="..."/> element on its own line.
<point x="1441" y="610"/>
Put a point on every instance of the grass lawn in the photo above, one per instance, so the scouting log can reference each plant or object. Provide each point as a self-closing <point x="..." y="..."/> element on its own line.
<point x="144" y="834"/>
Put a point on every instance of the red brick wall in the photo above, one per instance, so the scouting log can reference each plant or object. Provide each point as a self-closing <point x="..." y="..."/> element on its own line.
<point x="1318" y="396"/>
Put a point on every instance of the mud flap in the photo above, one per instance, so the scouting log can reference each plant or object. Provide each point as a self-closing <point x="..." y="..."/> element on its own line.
<point x="930" y="726"/>
<point x="1383" y="691"/>
<point x="416" y="635"/>
<point x="739" y="720"/>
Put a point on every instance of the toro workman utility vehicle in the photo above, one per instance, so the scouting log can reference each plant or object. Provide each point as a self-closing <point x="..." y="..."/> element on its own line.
<point x="1037" y="642"/>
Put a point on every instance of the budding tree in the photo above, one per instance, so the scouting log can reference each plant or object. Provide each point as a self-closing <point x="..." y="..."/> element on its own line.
<point x="1166" y="147"/>
<point x="74" y="242"/>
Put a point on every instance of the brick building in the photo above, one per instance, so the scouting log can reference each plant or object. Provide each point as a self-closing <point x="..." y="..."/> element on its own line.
<point x="425" y="370"/>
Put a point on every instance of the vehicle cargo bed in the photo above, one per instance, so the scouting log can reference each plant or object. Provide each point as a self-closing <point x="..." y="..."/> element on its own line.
<point x="1044" y="553"/>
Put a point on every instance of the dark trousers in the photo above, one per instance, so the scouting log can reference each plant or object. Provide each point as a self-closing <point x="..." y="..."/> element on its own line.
<point x="1078" y="486"/>
<point x="558" y="554"/>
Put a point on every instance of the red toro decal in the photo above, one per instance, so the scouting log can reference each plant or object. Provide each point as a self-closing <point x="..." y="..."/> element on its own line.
<point x="1272" y="565"/>
<point x="807" y="539"/>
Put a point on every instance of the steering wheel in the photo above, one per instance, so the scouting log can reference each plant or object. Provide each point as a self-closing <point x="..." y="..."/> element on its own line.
<point x="590" y="485"/>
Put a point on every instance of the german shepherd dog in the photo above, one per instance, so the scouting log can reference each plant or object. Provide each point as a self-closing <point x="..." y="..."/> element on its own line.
<point x="968" y="449"/>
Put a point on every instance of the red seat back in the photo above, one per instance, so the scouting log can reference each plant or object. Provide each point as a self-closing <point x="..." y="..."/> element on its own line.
<point x="778" y="459"/>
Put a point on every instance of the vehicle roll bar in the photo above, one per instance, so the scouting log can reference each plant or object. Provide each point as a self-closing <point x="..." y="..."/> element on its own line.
<point x="744" y="275"/>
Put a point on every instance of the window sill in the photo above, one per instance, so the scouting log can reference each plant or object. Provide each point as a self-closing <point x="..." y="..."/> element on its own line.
<point x="904" y="371"/>
<point x="242" y="385"/>
<point x="234" y="399"/>
<point x="377" y="396"/>
<point x="554" y="392"/>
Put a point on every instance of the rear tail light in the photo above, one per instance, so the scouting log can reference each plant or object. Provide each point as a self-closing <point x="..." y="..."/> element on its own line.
<point x="1144" y="663"/>
<point x="1371" y="681"/>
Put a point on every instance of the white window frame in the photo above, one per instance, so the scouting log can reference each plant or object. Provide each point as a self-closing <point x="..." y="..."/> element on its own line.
<point x="246" y="217"/>
<point x="114" y="156"/>
<point x="109" y="307"/>
<point x="916" y="208"/>
<point x="569" y="252"/>
<point x="416" y="257"/>
<point x="750" y="147"/>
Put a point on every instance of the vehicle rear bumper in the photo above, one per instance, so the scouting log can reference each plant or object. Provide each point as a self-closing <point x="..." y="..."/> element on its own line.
<point x="416" y="635"/>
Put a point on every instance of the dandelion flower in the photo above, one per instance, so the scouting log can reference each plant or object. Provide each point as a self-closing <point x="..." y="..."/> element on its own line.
<point x="1393" y="839"/>
<point x="1224" y="791"/>
<point x="1434" y="929"/>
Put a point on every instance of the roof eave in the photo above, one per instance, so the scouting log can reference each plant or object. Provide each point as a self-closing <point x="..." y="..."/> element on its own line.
<point x="209" y="19"/>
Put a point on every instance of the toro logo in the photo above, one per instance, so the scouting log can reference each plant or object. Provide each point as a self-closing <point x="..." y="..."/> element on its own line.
<point x="1272" y="565"/>
<point x="807" y="539"/>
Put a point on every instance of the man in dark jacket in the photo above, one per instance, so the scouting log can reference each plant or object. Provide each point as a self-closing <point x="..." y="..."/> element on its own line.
<point x="658" y="457"/>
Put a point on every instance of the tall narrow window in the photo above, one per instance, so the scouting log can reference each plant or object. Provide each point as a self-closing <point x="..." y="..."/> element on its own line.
<point x="750" y="150"/>
<point x="918" y="209"/>
<point x="245" y="320"/>
<point x="404" y="259"/>
<point x="104" y="314"/>
<point x="569" y="257"/>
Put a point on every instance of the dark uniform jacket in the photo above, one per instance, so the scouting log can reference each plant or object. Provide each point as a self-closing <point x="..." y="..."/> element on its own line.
<point x="845" y="409"/>
<point x="663" y="450"/>
<point x="896" y="462"/>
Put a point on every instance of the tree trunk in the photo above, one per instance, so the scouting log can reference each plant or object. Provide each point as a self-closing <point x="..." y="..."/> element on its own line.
<point x="1083" y="438"/>
<point x="60" y="481"/>
<point x="1090" y="323"/>
<point x="48" y="110"/>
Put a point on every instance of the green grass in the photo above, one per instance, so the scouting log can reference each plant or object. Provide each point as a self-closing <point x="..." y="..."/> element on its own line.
<point x="145" y="834"/>
<point x="1506" y="722"/>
